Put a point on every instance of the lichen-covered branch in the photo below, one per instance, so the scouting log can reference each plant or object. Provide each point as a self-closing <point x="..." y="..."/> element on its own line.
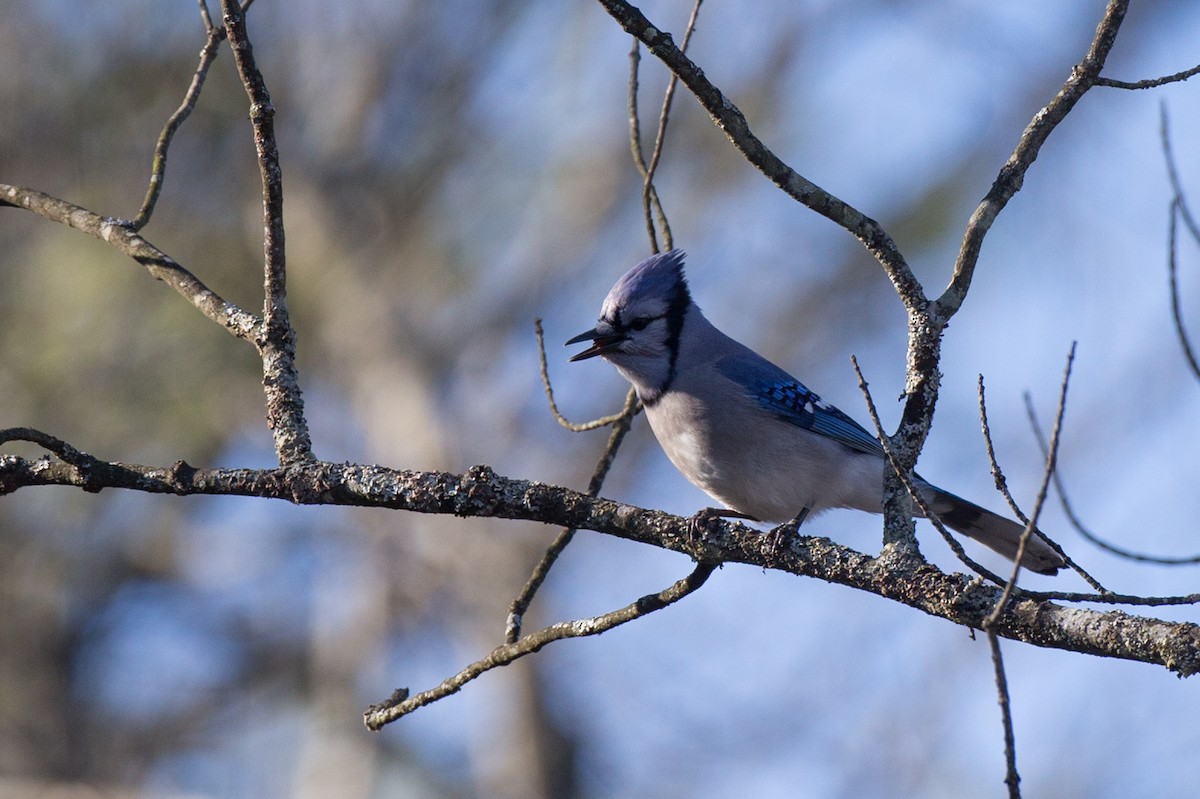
<point x="481" y="493"/>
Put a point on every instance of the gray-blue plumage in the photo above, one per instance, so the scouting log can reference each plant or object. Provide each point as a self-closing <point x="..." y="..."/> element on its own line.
<point x="744" y="430"/>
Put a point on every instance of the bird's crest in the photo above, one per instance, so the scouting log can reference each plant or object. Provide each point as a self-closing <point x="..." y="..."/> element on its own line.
<point x="658" y="277"/>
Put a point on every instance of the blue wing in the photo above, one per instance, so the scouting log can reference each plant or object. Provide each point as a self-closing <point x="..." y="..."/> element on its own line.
<point x="791" y="401"/>
<point x="795" y="404"/>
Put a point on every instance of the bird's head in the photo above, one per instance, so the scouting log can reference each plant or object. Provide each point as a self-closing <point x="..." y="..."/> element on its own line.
<point x="640" y="323"/>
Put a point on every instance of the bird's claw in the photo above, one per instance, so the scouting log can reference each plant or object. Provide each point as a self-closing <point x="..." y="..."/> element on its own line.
<point x="777" y="536"/>
<point x="699" y="525"/>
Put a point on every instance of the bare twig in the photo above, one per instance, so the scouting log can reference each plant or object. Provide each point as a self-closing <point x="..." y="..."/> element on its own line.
<point x="1051" y="455"/>
<point x="1173" y="175"/>
<point x="1109" y="598"/>
<point x="207" y="17"/>
<point x="54" y="444"/>
<point x="1179" y="209"/>
<point x="285" y="405"/>
<point x="158" y="168"/>
<point x="1002" y="486"/>
<point x="730" y="119"/>
<point x="649" y="193"/>
<point x="1149" y="83"/>
<point x="1172" y="275"/>
<point x="620" y="426"/>
<point x="1011" y="778"/>
<point x="997" y="474"/>
<point x="402" y="704"/>
<point x="650" y="199"/>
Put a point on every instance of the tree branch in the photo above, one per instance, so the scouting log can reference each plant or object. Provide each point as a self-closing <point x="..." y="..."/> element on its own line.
<point x="1179" y="209"/>
<point x="1083" y="76"/>
<point x="158" y="166"/>
<point x="240" y="323"/>
<point x="1011" y="777"/>
<point x="285" y="405"/>
<point x="401" y="704"/>
<point x="730" y="119"/>
<point x="484" y="494"/>
<point x="1149" y="83"/>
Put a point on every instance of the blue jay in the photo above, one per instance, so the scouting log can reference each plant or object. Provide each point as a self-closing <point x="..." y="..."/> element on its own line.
<point x="745" y="431"/>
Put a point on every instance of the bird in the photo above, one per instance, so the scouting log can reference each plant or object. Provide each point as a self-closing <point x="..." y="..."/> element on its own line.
<point x="746" y="432"/>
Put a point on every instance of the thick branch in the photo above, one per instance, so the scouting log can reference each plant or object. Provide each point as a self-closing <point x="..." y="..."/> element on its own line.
<point x="483" y="493"/>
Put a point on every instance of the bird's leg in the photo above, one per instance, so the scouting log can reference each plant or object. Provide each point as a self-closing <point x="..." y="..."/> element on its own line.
<point x="699" y="523"/>
<point x="783" y="532"/>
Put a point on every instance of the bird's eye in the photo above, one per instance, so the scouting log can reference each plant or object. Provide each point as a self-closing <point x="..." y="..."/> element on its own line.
<point x="641" y="323"/>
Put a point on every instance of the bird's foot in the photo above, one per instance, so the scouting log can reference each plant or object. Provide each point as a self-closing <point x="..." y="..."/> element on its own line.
<point x="700" y="524"/>
<point x="778" y="536"/>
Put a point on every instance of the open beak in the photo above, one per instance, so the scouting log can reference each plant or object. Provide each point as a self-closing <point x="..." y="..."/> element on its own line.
<point x="602" y="341"/>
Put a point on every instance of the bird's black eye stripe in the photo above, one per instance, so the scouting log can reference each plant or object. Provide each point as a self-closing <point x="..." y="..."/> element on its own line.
<point x="642" y="322"/>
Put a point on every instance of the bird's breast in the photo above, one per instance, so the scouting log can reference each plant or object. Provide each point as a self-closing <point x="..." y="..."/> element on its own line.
<point x="748" y="459"/>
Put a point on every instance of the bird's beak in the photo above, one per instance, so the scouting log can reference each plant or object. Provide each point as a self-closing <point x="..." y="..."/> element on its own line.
<point x="602" y="341"/>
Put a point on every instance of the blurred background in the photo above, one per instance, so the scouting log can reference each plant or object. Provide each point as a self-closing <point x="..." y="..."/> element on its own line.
<point x="454" y="170"/>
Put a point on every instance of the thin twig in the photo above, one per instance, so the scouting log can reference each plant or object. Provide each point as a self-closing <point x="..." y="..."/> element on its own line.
<point x="1011" y="778"/>
<point x="1109" y="598"/>
<point x="726" y="115"/>
<point x="635" y="145"/>
<point x="620" y="426"/>
<point x="1173" y="174"/>
<point x="1149" y="83"/>
<point x="660" y="136"/>
<point x="1002" y="486"/>
<point x="1039" y="502"/>
<point x="207" y="17"/>
<point x="997" y="473"/>
<point x="1173" y="278"/>
<point x="1012" y="175"/>
<point x="402" y="704"/>
<point x="158" y="168"/>
<point x="62" y="449"/>
<point x="576" y="427"/>
<point x="1179" y="208"/>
